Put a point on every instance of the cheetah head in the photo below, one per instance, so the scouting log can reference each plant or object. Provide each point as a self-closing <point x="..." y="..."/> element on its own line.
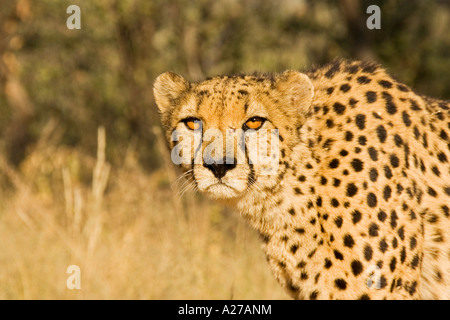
<point x="230" y="134"/>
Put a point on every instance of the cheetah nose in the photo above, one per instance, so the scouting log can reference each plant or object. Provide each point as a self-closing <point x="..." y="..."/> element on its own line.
<point x="220" y="169"/>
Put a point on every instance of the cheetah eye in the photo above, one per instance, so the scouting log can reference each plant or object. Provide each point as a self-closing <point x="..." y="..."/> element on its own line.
<point x="254" y="123"/>
<point x="193" y="123"/>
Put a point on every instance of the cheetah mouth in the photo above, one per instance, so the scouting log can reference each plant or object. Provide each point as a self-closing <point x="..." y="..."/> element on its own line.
<point x="221" y="190"/>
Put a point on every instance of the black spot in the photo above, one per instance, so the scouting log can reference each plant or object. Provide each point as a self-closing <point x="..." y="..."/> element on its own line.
<point x="432" y="192"/>
<point x="390" y="105"/>
<point x="412" y="243"/>
<point x="414" y="105"/>
<point x="443" y="135"/>
<point x="371" y="96"/>
<point x="394" y="160"/>
<point x="446" y="210"/>
<point x="330" y="90"/>
<point x="319" y="201"/>
<point x="303" y="275"/>
<point x="368" y="252"/>
<point x="352" y="102"/>
<point x="348" y="136"/>
<point x="357" y="165"/>
<point x="334" y="164"/>
<point x="363" y="80"/>
<point x="338" y="255"/>
<point x="340" y="284"/>
<point x="373" y="153"/>
<point x="292" y="287"/>
<point x="313" y="295"/>
<point x="336" y="182"/>
<point x="394" y="243"/>
<point x="301" y="264"/>
<point x="302" y="178"/>
<point x="402" y="88"/>
<point x="447" y="191"/>
<point x="357" y="267"/>
<point x="360" y="121"/>
<point x="392" y="264"/>
<point x="334" y="202"/>
<point x="328" y="263"/>
<point x="348" y="241"/>
<point x="398" y="140"/>
<point x="403" y="255"/>
<point x="385" y="84"/>
<point x="394" y="218"/>
<point x="373" y="229"/>
<point x="383" y="245"/>
<point x="362" y="140"/>
<point x="298" y="191"/>
<point x="436" y="171"/>
<point x="294" y="248"/>
<point x="330" y="123"/>
<point x="373" y="174"/>
<point x="381" y="133"/>
<point x="371" y="199"/>
<point x="335" y="67"/>
<point x="300" y="230"/>
<point x="406" y="118"/>
<point x="323" y="180"/>
<point x="351" y="189"/>
<point x="442" y="157"/>
<point x="345" y="87"/>
<point x="415" y="261"/>
<point x="383" y="282"/>
<point x="356" y="216"/>
<point x="352" y="69"/>
<point x="292" y="211"/>
<point x="387" y="172"/>
<point x="364" y="297"/>
<point x="382" y="216"/>
<point x="339" y="108"/>
<point x="387" y="192"/>
<point x="343" y="153"/>
<point x="401" y="233"/>
<point x="338" y="221"/>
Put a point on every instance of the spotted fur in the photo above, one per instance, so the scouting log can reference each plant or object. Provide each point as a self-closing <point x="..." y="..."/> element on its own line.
<point x="360" y="205"/>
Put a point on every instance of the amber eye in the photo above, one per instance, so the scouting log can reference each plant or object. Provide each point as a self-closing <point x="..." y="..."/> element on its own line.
<point x="193" y="123"/>
<point x="254" y="123"/>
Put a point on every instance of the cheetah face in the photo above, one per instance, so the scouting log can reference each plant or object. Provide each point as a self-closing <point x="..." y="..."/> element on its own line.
<point x="229" y="134"/>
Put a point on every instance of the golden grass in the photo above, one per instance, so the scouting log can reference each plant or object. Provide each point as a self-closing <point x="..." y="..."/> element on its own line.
<point x="129" y="231"/>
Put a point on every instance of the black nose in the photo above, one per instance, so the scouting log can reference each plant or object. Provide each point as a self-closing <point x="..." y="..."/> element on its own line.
<point x="220" y="169"/>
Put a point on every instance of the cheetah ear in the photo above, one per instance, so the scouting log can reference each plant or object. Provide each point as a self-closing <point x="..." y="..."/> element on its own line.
<point x="296" y="88"/>
<point x="167" y="88"/>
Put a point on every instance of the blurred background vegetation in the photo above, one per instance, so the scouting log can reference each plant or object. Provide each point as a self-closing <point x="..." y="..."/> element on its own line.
<point x="84" y="177"/>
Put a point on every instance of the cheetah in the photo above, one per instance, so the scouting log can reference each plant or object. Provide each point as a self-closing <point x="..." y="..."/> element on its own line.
<point x="359" y="204"/>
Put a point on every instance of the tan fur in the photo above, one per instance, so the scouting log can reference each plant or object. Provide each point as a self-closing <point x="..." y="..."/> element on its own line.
<point x="362" y="191"/>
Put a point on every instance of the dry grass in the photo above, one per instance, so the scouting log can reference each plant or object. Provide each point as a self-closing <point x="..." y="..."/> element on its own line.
<point x="129" y="232"/>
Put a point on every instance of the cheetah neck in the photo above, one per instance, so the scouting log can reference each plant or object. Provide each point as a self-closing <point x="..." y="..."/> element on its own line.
<point x="288" y="222"/>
